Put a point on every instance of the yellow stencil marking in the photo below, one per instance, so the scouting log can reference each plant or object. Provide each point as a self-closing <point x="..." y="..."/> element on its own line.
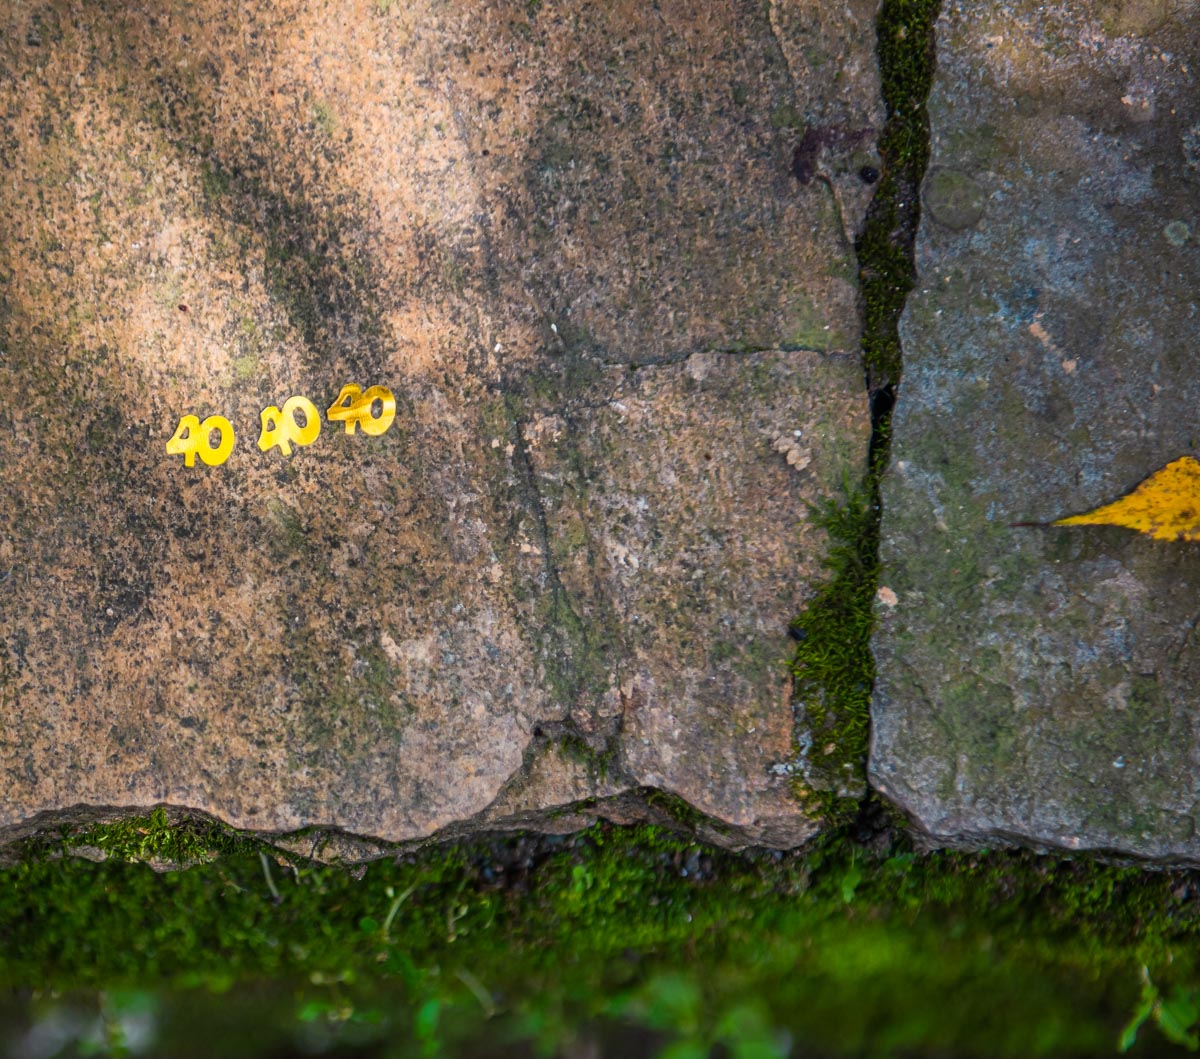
<point x="193" y="438"/>
<point x="281" y="427"/>
<point x="1166" y="506"/>
<point x="353" y="407"/>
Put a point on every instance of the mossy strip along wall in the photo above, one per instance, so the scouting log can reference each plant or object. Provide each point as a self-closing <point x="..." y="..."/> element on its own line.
<point x="637" y="938"/>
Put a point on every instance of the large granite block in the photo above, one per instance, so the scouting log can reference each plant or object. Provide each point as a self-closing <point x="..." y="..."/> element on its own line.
<point x="601" y="256"/>
<point x="1041" y="684"/>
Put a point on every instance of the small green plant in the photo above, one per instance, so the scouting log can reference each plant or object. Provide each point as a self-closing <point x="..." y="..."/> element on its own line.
<point x="1177" y="1015"/>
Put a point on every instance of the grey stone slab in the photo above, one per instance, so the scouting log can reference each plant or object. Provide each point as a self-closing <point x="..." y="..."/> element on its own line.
<point x="1043" y="685"/>
<point x="619" y="324"/>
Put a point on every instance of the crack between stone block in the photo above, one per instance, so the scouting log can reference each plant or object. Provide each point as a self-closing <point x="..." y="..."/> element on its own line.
<point x="533" y="495"/>
<point x="554" y="653"/>
<point x="834" y="669"/>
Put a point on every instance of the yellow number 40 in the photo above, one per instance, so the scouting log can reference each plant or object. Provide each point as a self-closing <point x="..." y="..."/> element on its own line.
<point x="193" y="438"/>
<point x="354" y="408"/>
<point x="373" y="409"/>
<point x="282" y="427"/>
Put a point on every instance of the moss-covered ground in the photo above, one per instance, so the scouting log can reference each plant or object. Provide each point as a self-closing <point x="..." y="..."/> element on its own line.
<point x="633" y="941"/>
<point x="637" y="940"/>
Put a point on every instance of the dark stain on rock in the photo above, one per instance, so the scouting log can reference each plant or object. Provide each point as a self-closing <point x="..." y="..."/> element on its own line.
<point x="104" y="431"/>
<point x="818" y="137"/>
<point x="317" y="268"/>
<point x="122" y="596"/>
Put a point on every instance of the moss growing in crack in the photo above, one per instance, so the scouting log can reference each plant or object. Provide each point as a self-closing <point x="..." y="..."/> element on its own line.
<point x="906" y="64"/>
<point x="690" y="819"/>
<point x="153" y="837"/>
<point x="833" y="667"/>
<point x="599" y="763"/>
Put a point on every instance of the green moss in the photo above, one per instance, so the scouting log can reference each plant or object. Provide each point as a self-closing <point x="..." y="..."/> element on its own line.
<point x="599" y="763"/>
<point x="181" y="841"/>
<point x="688" y="818"/>
<point x="906" y="63"/>
<point x="833" y="667"/>
<point x="847" y="950"/>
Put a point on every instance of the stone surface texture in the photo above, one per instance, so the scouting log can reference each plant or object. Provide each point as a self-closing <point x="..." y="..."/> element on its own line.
<point x="603" y="256"/>
<point x="1041" y="685"/>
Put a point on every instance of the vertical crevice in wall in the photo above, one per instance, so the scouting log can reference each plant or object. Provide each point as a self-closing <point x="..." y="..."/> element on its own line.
<point x="834" y="669"/>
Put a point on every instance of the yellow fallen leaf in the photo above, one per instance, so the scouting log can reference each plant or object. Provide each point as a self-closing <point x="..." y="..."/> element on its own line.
<point x="1166" y="506"/>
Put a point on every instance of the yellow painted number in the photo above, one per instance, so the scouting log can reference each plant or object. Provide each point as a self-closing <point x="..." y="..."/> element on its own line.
<point x="193" y="438"/>
<point x="355" y="408"/>
<point x="282" y="428"/>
